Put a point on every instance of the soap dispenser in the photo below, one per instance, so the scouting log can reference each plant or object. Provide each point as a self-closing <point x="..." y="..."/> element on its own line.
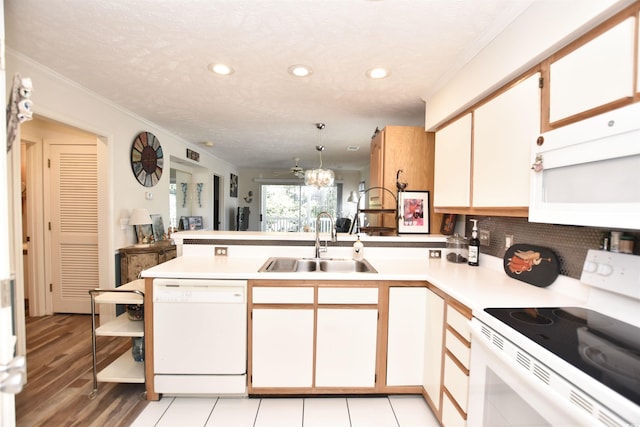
<point x="474" y="245"/>
<point x="358" y="249"/>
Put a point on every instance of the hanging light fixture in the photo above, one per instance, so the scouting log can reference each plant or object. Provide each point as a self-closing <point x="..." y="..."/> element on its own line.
<point x="319" y="177"/>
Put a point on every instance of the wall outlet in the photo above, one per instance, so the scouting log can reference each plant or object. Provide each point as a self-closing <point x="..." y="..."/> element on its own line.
<point x="485" y="237"/>
<point x="435" y="253"/>
<point x="508" y="241"/>
<point x="221" y="251"/>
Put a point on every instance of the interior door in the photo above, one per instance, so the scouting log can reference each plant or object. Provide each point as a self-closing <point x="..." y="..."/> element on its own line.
<point x="73" y="223"/>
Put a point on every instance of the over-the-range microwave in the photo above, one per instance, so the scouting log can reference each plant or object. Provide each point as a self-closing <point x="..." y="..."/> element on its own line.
<point x="588" y="173"/>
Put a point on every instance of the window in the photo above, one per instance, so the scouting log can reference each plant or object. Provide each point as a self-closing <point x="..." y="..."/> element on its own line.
<point x="294" y="207"/>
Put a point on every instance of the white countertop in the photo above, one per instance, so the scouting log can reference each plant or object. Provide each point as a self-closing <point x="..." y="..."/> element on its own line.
<point x="475" y="287"/>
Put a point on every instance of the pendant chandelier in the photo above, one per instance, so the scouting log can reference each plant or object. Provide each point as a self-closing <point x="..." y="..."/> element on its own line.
<point x="319" y="177"/>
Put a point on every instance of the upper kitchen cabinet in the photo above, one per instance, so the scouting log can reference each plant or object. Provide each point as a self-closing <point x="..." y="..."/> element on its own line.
<point x="596" y="74"/>
<point x="482" y="159"/>
<point x="406" y="148"/>
<point x="503" y="129"/>
<point x="452" y="186"/>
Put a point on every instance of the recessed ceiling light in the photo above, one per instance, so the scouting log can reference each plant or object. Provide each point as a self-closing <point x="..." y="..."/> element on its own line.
<point x="378" y="73"/>
<point x="221" y="69"/>
<point x="300" y="70"/>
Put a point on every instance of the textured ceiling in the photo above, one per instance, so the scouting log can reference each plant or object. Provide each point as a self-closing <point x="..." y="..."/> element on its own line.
<point x="151" y="57"/>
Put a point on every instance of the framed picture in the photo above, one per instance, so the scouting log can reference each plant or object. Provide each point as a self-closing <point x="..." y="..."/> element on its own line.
<point x="195" y="222"/>
<point x="157" y="227"/>
<point x="413" y="215"/>
<point x="448" y="224"/>
<point x="143" y="232"/>
<point x="233" y="189"/>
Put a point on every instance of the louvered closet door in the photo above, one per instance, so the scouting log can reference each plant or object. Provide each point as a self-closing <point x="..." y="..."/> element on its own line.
<point x="74" y="226"/>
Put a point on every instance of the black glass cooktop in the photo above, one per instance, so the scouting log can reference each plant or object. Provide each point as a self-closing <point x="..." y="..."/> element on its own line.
<point x="601" y="346"/>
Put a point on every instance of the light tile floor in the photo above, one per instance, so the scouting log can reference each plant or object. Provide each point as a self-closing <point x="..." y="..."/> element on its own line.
<point x="392" y="411"/>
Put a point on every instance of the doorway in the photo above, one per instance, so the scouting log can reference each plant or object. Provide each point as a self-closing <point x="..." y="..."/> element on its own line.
<point x="61" y="216"/>
<point x="217" y="182"/>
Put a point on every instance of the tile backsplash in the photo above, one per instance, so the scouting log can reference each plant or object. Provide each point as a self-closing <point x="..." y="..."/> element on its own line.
<point x="570" y="243"/>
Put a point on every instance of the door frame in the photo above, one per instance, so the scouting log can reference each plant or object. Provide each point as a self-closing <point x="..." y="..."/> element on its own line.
<point x="39" y="209"/>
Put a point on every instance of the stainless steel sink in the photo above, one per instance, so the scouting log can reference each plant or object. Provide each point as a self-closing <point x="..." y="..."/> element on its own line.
<point x="345" y="266"/>
<point x="320" y="265"/>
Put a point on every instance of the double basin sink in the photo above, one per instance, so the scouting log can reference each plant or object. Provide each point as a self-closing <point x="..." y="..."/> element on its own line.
<point x="318" y="265"/>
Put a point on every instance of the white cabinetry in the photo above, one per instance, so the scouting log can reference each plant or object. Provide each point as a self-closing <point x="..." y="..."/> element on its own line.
<point x="482" y="160"/>
<point x="597" y="73"/>
<point x="456" y="366"/>
<point x="282" y="337"/>
<point x="282" y="351"/>
<point x="346" y="347"/>
<point x="346" y="337"/>
<point x="313" y="338"/>
<point x="452" y="185"/>
<point x="433" y="349"/>
<point x="503" y="129"/>
<point x="124" y="369"/>
<point x="406" y="335"/>
<point x="446" y="359"/>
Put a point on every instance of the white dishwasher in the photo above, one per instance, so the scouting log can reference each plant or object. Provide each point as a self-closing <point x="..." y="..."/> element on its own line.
<point x="200" y="336"/>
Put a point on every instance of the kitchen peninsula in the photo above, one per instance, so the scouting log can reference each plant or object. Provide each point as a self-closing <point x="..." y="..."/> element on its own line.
<point x="403" y="329"/>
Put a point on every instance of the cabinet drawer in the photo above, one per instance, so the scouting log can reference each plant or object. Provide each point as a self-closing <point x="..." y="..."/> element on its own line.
<point x="347" y="295"/>
<point x="282" y="295"/>
<point x="459" y="322"/>
<point x="450" y="415"/>
<point x="456" y="381"/>
<point x="458" y="348"/>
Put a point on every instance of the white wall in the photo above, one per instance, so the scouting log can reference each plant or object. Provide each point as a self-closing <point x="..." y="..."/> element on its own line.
<point x="540" y="30"/>
<point x="59" y="99"/>
<point x="248" y="180"/>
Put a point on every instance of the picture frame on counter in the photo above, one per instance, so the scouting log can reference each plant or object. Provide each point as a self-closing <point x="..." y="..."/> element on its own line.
<point x="413" y="215"/>
<point x="157" y="227"/>
<point x="448" y="224"/>
<point x="144" y="230"/>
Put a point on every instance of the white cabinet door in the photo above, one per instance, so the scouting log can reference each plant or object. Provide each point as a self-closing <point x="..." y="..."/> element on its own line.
<point x="346" y="347"/>
<point x="452" y="172"/>
<point x="433" y="347"/>
<point x="282" y="348"/>
<point x="405" y="343"/>
<point x="597" y="73"/>
<point x="503" y="130"/>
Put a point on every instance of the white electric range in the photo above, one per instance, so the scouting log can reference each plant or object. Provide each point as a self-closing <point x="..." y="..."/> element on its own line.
<point x="562" y="366"/>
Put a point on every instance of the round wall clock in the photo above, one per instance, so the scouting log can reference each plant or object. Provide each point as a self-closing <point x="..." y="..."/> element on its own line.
<point x="146" y="159"/>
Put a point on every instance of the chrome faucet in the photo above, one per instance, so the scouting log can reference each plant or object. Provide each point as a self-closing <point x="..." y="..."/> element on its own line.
<point x="334" y="235"/>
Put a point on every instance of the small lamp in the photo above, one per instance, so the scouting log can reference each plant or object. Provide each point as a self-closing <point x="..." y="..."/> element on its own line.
<point x="353" y="198"/>
<point x="139" y="216"/>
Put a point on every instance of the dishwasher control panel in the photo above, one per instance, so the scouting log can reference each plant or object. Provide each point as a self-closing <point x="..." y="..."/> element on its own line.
<point x="199" y="291"/>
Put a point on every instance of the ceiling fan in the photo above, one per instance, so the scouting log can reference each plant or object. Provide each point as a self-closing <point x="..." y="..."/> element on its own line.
<point x="296" y="170"/>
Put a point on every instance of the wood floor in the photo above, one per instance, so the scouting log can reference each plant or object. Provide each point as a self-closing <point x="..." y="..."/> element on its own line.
<point x="60" y="377"/>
